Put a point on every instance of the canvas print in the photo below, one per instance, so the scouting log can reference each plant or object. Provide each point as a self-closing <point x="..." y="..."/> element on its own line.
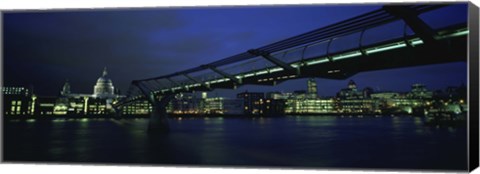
<point x="359" y="86"/>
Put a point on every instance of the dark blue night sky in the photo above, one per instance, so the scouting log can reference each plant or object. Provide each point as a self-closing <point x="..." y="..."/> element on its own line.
<point x="43" y="49"/>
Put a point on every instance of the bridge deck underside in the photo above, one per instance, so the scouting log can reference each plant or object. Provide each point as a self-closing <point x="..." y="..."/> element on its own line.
<point x="452" y="50"/>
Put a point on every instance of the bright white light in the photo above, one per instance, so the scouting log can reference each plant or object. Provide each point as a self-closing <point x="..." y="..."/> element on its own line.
<point x="276" y="69"/>
<point x="416" y="42"/>
<point x="356" y="53"/>
<point x="318" y="61"/>
<point x="262" y="72"/>
<point x="375" y="50"/>
<point x="249" y="75"/>
<point x="461" y="33"/>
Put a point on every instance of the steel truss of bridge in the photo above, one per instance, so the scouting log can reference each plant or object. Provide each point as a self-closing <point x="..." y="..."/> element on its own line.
<point x="336" y="51"/>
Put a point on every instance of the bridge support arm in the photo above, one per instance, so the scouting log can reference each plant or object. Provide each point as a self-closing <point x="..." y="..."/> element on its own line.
<point x="418" y="26"/>
<point x="147" y="92"/>
<point x="224" y="74"/>
<point x="196" y="81"/>
<point x="272" y="59"/>
<point x="191" y="78"/>
<point x="173" y="82"/>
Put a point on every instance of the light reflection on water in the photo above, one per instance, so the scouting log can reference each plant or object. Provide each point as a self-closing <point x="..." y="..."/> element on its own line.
<point x="315" y="121"/>
<point x="314" y="141"/>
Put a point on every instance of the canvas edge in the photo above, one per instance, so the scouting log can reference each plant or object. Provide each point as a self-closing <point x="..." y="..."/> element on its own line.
<point x="473" y="80"/>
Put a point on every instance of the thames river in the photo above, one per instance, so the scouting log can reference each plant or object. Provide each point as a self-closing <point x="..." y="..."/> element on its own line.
<point x="292" y="141"/>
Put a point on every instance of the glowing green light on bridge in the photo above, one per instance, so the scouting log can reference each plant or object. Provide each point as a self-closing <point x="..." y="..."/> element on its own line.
<point x="348" y="55"/>
<point x="313" y="62"/>
<point x="460" y="33"/>
<point x="249" y="75"/>
<point x="416" y="41"/>
<point x="389" y="47"/>
<point x="262" y="72"/>
<point x="276" y="69"/>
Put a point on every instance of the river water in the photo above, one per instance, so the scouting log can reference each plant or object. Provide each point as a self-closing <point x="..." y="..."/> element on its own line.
<point x="292" y="141"/>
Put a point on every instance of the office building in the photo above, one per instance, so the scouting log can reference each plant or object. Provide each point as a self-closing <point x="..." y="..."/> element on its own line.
<point x="18" y="101"/>
<point x="253" y="102"/>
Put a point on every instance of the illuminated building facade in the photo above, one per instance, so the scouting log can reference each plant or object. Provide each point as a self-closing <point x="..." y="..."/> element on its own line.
<point x="141" y="107"/>
<point x="418" y="101"/>
<point x="104" y="87"/>
<point x="98" y="103"/>
<point x="274" y="107"/>
<point x="420" y="91"/>
<point x="21" y="101"/>
<point x="350" y="92"/>
<point x="310" y="106"/>
<point x="352" y="101"/>
<point x="301" y="102"/>
<point x="221" y="105"/>
<point x="18" y="101"/>
<point x="358" y="106"/>
<point x="190" y="104"/>
<point x="413" y="102"/>
<point x="278" y="95"/>
<point x="312" y="89"/>
<point x="187" y="104"/>
<point x="45" y="105"/>
<point x="253" y="102"/>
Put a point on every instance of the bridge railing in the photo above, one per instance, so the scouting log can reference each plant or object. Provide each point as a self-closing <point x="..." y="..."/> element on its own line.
<point x="345" y="39"/>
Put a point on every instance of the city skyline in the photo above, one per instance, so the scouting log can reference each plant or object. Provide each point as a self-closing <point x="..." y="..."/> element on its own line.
<point x="91" y="40"/>
<point x="351" y="99"/>
<point x="338" y="84"/>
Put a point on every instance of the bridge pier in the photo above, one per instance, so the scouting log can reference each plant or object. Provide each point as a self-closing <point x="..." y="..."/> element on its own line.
<point x="158" y="122"/>
<point x="118" y="112"/>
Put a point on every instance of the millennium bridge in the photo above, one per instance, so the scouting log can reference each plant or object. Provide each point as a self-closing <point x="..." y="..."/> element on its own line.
<point x="336" y="51"/>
